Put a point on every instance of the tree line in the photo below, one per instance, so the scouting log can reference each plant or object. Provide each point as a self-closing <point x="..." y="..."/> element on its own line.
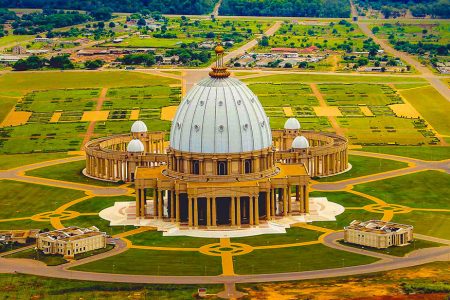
<point x="196" y="7"/>
<point x="287" y="8"/>
<point x="418" y="8"/>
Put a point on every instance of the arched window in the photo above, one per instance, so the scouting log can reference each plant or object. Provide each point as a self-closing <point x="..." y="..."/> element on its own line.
<point x="248" y="166"/>
<point x="222" y="168"/>
<point x="195" y="167"/>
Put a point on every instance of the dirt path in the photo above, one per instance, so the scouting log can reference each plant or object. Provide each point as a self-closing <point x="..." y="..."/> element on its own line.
<point x="323" y="103"/>
<point x="91" y="127"/>
<point x="215" y="12"/>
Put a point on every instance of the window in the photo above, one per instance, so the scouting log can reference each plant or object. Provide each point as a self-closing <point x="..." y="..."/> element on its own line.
<point x="222" y="168"/>
<point x="195" y="167"/>
<point x="248" y="166"/>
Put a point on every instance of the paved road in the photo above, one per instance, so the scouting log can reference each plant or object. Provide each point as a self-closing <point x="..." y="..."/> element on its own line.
<point x="18" y="174"/>
<point x="418" y="257"/>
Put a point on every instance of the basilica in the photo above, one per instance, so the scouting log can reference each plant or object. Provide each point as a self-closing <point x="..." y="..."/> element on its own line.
<point x="223" y="165"/>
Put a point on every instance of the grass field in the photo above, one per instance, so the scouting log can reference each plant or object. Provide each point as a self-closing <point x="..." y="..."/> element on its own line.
<point x="341" y="78"/>
<point x="295" y="259"/>
<point x="432" y="106"/>
<point x="416" y="244"/>
<point x="292" y="235"/>
<point x="362" y="166"/>
<point x="32" y="287"/>
<point x="426" y="222"/>
<point x="49" y="260"/>
<point x="13" y="39"/>
<point x="6" y="105"/>
<point x="425" y="153"/>
<point x="17" y="160"/>
<point x="103" y="225"/>
<point x="430" y="191"/>
<point x="156" y="96"/>
<point x="150" y="262"/>
<point x="19" y="199"/>
<point x="68" y="172"/>
<point x="97" y="204"/>
<point x="155" y="238"/>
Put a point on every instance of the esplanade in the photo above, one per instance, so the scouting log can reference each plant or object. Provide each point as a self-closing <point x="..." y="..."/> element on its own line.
<point x="223" y="165"/>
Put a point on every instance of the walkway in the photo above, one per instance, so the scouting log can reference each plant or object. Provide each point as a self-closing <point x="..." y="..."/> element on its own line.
<point x="91" y="127"/>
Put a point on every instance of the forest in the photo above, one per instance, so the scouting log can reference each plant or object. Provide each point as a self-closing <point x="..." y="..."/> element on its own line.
<point x="418" y="8"/>
<point x="287" y="8"/>
<point x="195" y="7"/>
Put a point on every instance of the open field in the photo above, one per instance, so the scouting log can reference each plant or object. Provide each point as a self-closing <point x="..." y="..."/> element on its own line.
<point x="94" y="220"/>
<point x="292" y="235"/>
<point x="17" y="160"/>
<point x="49" y="260"/>
<point x="151" y="262"/>
<point x="155" y="96"/>
<point x="341" y="78"/>
<point x="155" y="238"/>
<point x="427" y="222"/>
<point x="362" y="166"/>
<point x="429" y="191"/>
<point x="13" y="39"/>
<point x="425" y="153"/>
<point x="97" y="204"/>
<point x="26" y="287"/>
<point x="295" y="259"/>
<point x="68" y="172"/>
<point x="24" y="199"/>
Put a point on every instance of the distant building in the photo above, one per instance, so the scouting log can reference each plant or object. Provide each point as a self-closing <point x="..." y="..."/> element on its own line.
<point x="10" y="59"/>
<point x="18" y="236"/>
<point x="118" y="40"/>
<point x="378" y="234"/>
<point x="71" y="241"/>
<point x="18" y="50"/>
<point x="42" y="40"/>
<point x="37" y="51"/>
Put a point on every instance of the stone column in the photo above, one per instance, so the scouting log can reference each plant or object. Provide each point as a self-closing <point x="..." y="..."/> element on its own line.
<point x="195" y="212"/>
<point x="306" y="199"/>
<point x="172" y="205"/>
<point x="285" y="202"/>
<point x="272" y="200"/>
<point x="190" y="211"/>
<point x="289" y="199"/>
<point x="256" y="201"/>
<point x="232" y="210"/>
<point x="250" y="200"/>
<point x="208" y="212"/>
<point x="138" y="203"/>
<point x="268" y="205"/>
<point x="155" y="202"/>
<point x="177" y="216"/>
<point x="238" y="211"/>
<point x="214" y="212"/>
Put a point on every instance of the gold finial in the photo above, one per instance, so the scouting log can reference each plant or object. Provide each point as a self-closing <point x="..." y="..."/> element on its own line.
<point x="219" y="70"/>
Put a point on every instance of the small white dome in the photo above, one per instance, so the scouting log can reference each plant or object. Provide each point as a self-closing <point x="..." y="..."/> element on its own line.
<point x="135" y="146"/>
<point x="138" y="126"/>
<point x="300" y="142"/>
<point x="292" y="124"/>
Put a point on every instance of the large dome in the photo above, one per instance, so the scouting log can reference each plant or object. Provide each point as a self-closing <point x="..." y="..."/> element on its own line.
<point x="220" y="115"/>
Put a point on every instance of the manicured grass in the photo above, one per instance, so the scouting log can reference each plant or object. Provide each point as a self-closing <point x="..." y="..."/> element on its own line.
<point x="71" y="171"/>
<point x="49" y="260"/>
<point x="432" y="106"/>
<point x="24" y="82"/>
<point x="97" y="204"/>
<point x="155" y="238"/>
<point x="416" y="244"/>
<point x="362" y="166"/>
<point x="20" y="286"/>
<point x="115" y="127"/>
<point x="295" y="259"/>
<point x="13" y="39"/>
<point x="425" y="153"/>
<point x="103" y="225"/>
<point x="16" y="160"/>
<point x="314" y="78"/>
<point x="24" y="224"/>
<point x="382" y="130"/>
<point x="292" y="235"/>
<point x="156" y="96"/>
<point x="43" y="138"/>
<point x="426" y="222"/>
<point x="150" y="262"/>
<point x="6" y="104"/>
<point x="345" y="199"/>
<point x="20" y="199"/>
<point x="428" y="189"/>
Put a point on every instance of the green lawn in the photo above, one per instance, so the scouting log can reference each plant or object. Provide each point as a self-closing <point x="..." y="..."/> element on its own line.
<point x="22" y="286"/>
<point x="425" y="153"/>
<point x="292" y="235"/>
<point x="362" y="166"/>
<point x="71" y="171"/>
<point x="24" y="224"/>
<point x="20" y="199"/>
<point x="427" y="189"/>
<point x="343" y="198"/>
<point x="295" y="259"/>
<point x="416" y="244"/>
<point x="97" y="204"/>
<point x="13" y="39"/>
<point x="432" y="106"/>
<point x="49" y="260"/>
<point x="428" y="223"/>
<point x="93" y="252"/>
<point x="115" y="127"/>
<point x="314" y="78"/>
<point x="150" y="262"/>
<point x="155" y="96"/>
<point x="155" y="238"/>
<point x="17" y="160"/>
<point x="43" y="138"/>
<point x="6" y="104"/>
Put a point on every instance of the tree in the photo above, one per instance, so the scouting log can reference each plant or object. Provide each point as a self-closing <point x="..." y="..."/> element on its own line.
<point x="363" y="61"/>
<point x="30" y="63"/>
<point x="61" y="62"/>
<point x="303" y="65"/>
<point x="288" y="65"/>
<point x="101" y="25"/>
<point x="101" y="14"/>
<point x="264" y="42"/>
<point x="141" y="22"/>
<point x="386" y="11"/>
<point x="112" y="25"/>
<point x="375" y="29"/>
<point x="93" y="64"/>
